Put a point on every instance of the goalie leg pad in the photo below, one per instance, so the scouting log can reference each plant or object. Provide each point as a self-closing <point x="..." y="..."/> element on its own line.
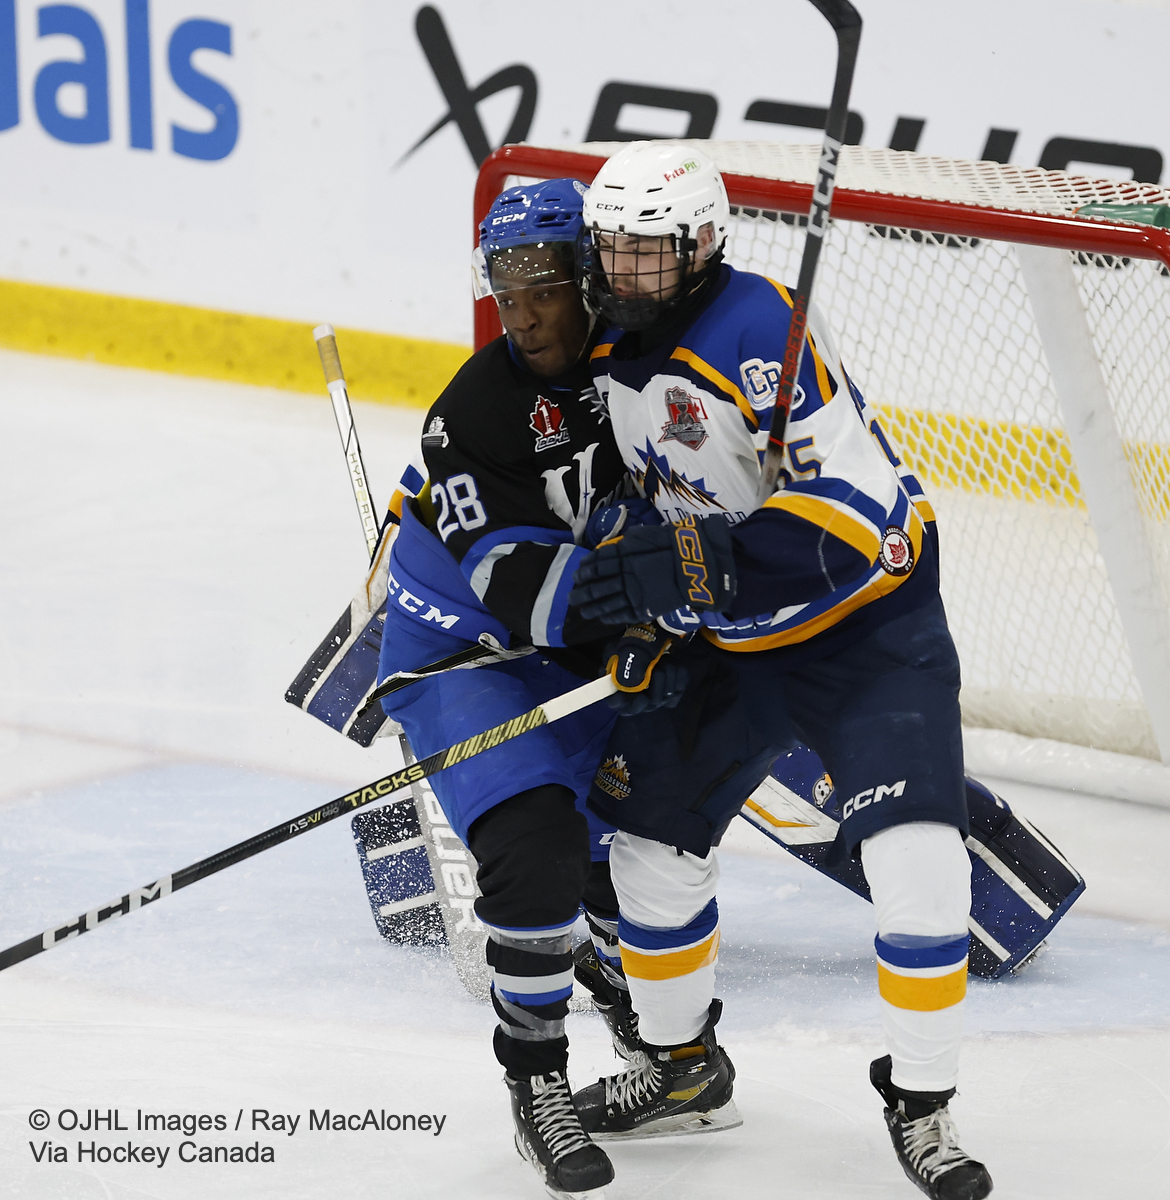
<point x="395" y="866"/>
<point x="1021" y="884"/>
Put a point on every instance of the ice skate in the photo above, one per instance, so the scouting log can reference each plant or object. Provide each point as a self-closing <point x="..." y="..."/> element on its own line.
<point x="549" y="1136"/>
<point x="665" y="1092"/>
<point x="612" y="1002"/>
<point x="926" y="1141"/>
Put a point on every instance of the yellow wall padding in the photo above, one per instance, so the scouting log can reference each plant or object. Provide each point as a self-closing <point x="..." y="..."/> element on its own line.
<point x="1008" y="460"/>
<point x="183" y="340"/>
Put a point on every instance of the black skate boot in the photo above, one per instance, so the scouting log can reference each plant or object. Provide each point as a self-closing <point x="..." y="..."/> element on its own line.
<point x="926" y="1140"/>
<point x="666" y="1091"/>
<point x="612" y="1002"/>
<point x="549" y="1135"/>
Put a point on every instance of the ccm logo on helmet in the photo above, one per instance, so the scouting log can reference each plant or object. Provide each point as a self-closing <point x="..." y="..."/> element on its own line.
<point x="603" y="207"/>
<point x="871" y="796"/>
<point x="706" y="208"/>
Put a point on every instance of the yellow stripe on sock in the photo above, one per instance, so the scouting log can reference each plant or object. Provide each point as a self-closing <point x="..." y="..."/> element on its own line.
<point x="922" y="995"/>
<point x="183" y="340"/>
<point x="673" y="965"/>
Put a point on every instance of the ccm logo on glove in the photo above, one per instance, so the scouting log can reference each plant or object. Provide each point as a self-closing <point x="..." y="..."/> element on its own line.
<point x="648" y="571"/>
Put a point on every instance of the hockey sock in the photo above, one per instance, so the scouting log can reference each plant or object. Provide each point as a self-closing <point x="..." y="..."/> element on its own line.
<point x="533" y="851"/>
<point x="668" y="932"/>
<point x="532" y="980"/>
<point x="671" y="976"/>
<point x="601" y="915"/>
<point x="603" y="933"/>
<point x="920" y="878"/>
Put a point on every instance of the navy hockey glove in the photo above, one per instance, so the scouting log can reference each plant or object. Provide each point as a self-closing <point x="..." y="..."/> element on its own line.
<point x="616" y="519"/>
<point x="650" y="571"/>
<point x="643" y="680"/>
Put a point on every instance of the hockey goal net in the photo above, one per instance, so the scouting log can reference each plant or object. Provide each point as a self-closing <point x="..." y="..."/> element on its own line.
<point x="922" y="278"/>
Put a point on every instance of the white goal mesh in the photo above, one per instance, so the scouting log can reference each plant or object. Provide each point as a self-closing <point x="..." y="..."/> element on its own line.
<point x="937" y="330"/>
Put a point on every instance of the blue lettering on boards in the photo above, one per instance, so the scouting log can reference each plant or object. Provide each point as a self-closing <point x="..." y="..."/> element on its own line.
<point x="9" y="92"/>
<point x="90" y="72"/>
<point x="138" y="74"/>
<point x="219" y="141"/>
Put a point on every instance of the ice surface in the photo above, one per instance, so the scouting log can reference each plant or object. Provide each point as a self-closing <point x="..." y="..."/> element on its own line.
<point x="171" y="551"/>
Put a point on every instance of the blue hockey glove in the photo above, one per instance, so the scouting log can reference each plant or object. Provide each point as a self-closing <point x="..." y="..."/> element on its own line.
<point x="616" y="519"/>
<point x="644" y="681"/>
<point x="650" y="571"/>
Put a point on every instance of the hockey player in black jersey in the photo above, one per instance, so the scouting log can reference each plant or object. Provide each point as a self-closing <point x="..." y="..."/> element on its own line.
<point x="518" y="457"/>
<point x="815" y="619"/>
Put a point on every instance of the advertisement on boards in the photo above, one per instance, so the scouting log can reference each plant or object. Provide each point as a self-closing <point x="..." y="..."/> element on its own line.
<point x="308" y="161"/>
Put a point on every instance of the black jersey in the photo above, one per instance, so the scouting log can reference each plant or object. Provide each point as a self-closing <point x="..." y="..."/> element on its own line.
<point x="516" y="465"/>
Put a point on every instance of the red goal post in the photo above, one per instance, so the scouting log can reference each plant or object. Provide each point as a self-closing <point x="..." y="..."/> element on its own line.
<point x="1019" y="356"/>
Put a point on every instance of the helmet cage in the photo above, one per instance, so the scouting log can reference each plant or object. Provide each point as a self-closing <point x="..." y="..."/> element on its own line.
<point x="644" y="302"/>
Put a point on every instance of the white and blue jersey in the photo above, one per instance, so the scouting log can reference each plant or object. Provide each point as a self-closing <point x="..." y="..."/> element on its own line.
<point x="691" y="415"/>
<point x="836" y="580"/>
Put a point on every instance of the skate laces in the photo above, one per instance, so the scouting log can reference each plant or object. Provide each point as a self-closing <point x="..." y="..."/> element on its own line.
<point x="555" y="1117"/>
<point x="932" y="1144"/>
<point x="629" y="1088"/>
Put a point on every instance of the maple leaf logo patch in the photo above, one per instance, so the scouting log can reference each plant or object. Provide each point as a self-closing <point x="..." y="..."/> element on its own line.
<point x="548" y="422"/>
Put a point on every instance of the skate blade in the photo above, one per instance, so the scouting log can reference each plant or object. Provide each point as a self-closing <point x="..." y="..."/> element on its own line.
<point x="726" y="1117"/>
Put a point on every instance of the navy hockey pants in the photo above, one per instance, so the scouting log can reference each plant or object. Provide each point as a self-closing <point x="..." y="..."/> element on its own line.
<point x="882" y="714"/>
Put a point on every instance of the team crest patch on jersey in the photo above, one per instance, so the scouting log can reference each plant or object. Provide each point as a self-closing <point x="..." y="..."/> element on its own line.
<point x="548" y="422"/>
<point x="897" y="554"/>
<point x="822" y="790"/>
<point x="435" y="435"/>
<point x="686" y="419"/>
<point x="613" y="777"/>
<point x="760" y="381"/>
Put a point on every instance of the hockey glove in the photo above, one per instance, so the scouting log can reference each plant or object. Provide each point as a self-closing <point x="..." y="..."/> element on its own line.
<point x="643" y="680"/>
<point x="616" y="519"/>
<point x="650" y="571"/>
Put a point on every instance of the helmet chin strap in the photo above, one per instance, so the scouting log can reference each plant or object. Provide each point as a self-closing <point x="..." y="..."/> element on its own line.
<point x="588" y="334"/>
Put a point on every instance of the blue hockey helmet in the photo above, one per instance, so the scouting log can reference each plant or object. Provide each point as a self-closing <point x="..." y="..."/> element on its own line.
<point x="536" y="214"/>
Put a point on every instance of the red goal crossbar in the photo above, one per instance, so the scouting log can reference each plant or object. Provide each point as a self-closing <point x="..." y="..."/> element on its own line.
<point x="907" y="212"/>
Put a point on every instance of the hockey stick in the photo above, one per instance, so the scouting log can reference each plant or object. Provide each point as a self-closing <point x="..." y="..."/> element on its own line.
<point x="544" y="714"/>
<point x="461" y="660"/>
<point x="335" y="381"/>
<point x="846" y="23"/>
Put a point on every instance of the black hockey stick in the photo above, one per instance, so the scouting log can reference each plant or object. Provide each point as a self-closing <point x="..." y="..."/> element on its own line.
<point x="846" y="23"/>
<point x="544" y="714"/>
<point x="473" y="656"/>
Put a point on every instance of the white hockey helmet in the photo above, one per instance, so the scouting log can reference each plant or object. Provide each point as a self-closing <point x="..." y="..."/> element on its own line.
<point x="651" y="190"/>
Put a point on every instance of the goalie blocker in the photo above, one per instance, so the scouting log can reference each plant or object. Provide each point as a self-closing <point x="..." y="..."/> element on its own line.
<point x="1021" y="884"/>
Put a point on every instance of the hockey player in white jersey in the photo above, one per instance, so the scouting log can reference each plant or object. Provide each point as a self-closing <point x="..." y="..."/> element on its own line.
<point x="815" y="619"/>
